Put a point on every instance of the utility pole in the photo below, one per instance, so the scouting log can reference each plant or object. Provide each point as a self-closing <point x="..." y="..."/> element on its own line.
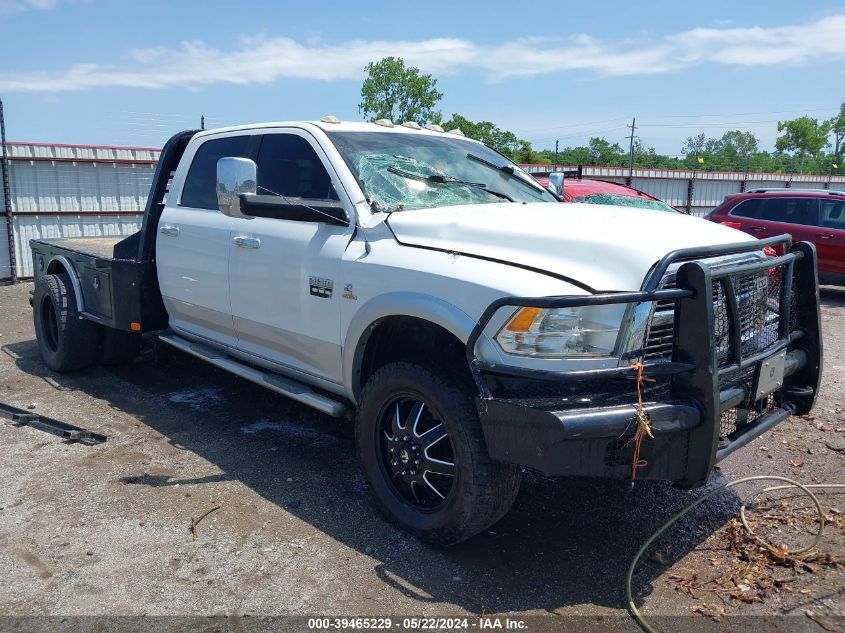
<point x="7" y="199"/>
<point x="202" y="122"/>
<point x="556" y="144"/>
<point x="633" y="127"/>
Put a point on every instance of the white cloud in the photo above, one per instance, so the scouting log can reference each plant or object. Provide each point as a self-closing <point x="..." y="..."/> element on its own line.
<point x="20" y="6"/>
<point x="262" y="59"/>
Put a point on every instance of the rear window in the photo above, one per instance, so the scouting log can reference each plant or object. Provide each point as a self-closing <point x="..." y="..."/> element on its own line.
<point x="200" y="190"/>
<point x="833" y="214"/>
<point x="624" y="201"/>
<point x="748" y="208"/>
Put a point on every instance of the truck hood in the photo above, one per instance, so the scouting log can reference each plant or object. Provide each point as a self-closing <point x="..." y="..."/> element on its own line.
<point x="604" y="247"/>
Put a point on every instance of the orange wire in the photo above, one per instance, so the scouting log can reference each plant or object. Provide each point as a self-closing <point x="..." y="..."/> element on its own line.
<point x="642" y="421"/>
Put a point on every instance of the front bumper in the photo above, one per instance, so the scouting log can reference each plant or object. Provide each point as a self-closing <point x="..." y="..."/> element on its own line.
<point x="701" y="408"/>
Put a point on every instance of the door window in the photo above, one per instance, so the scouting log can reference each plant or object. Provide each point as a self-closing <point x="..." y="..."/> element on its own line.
<point x="200" y="189"/>
<point x="288" y="166"/>
<point x="790" y="210"/>
<point x="833" y="214"/>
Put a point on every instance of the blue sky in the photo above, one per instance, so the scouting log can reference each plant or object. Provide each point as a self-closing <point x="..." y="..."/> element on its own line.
<point x="114" y="72"/>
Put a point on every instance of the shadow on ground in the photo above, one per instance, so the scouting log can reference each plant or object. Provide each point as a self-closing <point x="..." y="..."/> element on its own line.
<point x="565" y="542"/>
<point x="832" y="296"/>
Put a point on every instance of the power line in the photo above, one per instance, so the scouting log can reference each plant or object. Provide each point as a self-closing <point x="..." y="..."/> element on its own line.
<point x="684" y="116"/>
<point x="574" y="126"/>
<point x="567" y="127"/>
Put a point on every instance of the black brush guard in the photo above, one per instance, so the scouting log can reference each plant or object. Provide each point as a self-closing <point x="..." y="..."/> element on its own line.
<point x="534" y="418"/>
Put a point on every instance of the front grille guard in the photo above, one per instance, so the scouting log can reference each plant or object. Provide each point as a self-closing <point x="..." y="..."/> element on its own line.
<point x="694" y="372"/>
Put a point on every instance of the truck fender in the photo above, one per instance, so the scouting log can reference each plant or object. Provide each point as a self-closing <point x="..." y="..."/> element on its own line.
<point x="74" y="279"/>
<point x="411" y="304"/>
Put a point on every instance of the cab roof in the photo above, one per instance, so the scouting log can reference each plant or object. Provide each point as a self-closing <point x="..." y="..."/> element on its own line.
<point x="350" y="126"/>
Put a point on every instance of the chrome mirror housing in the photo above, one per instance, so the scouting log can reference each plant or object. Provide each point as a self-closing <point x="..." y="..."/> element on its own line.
<point x="234" y="177"/>
<point x="556" y="183"/>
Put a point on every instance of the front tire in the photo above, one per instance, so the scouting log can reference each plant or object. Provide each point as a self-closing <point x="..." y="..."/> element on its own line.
<point x="66" y="340"/>
<point x="424" y="456"/>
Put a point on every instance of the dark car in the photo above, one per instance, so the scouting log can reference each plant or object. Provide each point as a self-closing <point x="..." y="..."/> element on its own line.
<point x="812" y="215"/>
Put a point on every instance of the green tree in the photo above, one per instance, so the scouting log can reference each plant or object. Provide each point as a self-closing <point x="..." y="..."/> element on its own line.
<point x="399" y="93"/>
<point x="648" y="157"/>
<point x="837" y="126"/>
<point x="603" y="152"/>
<point x="804" y="137"/>
<point x="491" y="135"/>
<point x="699" y="146"/>
<point x="694" y="145"/>
<point x="736" y="148"/>
<point x="575" y="156"/>
<point x="526" y="153"/>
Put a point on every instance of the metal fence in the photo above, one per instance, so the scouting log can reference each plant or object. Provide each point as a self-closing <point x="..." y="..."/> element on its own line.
<point x="71" y="191"/>
<point x="84" y="190"/>
<point x="697" y="192"/>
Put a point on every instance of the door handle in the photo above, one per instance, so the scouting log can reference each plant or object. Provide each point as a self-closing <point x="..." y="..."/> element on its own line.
<point x="824" y="236"/>
<point x="171" y="231"/>
<point x="756" y="227"/>
<point x="246" y="242"/>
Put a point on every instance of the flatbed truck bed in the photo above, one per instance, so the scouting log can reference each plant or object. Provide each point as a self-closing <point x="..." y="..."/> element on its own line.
<point x="114" y="277"/>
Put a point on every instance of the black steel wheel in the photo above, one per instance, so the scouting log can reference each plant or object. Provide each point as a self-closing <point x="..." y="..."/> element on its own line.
<point x="424" y="457"/>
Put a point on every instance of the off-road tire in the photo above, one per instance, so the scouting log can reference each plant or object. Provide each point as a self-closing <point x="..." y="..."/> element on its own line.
<point x="483" y="490"/>
<point x="119" y="347"/>
<point x="66" y="341"/>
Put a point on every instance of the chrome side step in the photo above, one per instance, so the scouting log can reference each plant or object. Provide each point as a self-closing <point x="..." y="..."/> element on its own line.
<point x="280" y="384"/>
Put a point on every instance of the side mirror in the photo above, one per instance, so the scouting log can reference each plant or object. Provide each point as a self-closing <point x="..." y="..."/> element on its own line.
<point x="235" y="176"/>
<point x="556" y="183"/>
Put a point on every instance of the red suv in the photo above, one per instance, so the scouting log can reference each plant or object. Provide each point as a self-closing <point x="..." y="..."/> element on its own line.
<point x="812" y="215"/>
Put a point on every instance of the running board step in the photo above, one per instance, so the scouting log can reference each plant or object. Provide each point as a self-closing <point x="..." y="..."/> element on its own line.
<point x="285" y="386"/>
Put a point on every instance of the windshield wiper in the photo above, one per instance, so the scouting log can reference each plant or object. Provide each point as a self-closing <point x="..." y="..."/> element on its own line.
<point x="505" y="169"/>
<point x="443" y="180"/>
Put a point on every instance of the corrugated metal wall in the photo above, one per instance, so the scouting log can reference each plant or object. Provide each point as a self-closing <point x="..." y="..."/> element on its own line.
<point x="66" y="225"/>
<point x="74" y="187"/>
<point x="5" y="267"/>
<point x="73" y="190"/>
<point x="70" y="190"/>
<point x="673" y="192"/>
<point x="709" y="188"/>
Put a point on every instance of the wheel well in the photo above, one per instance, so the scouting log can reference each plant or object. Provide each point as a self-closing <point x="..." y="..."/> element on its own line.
<point x="55" y="267"/>
<point x="405" y="338"/>
<point x="61" y="266"/>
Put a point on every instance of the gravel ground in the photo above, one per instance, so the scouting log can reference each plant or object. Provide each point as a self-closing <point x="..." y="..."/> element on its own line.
<point x="96" y="530"/>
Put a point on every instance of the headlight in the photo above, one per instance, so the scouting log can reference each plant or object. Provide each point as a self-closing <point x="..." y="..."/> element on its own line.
<point x="562" y="332"/>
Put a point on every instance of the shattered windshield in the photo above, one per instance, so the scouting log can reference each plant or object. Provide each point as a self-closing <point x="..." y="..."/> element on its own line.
<point x="399" y="171"/>
<point x="624" y="201"/>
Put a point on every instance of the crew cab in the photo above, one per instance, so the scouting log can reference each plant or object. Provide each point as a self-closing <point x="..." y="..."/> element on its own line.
<point x="422" y="284"/>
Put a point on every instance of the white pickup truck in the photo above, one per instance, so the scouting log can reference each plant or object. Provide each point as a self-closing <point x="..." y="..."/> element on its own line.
<point x="473" y="324"/>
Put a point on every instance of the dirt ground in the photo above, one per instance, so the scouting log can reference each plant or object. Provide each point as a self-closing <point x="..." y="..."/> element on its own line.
<point x="96" y="530"/>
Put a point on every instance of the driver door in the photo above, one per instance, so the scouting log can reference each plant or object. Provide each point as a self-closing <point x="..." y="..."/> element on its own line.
<point x="284" y="275"/>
